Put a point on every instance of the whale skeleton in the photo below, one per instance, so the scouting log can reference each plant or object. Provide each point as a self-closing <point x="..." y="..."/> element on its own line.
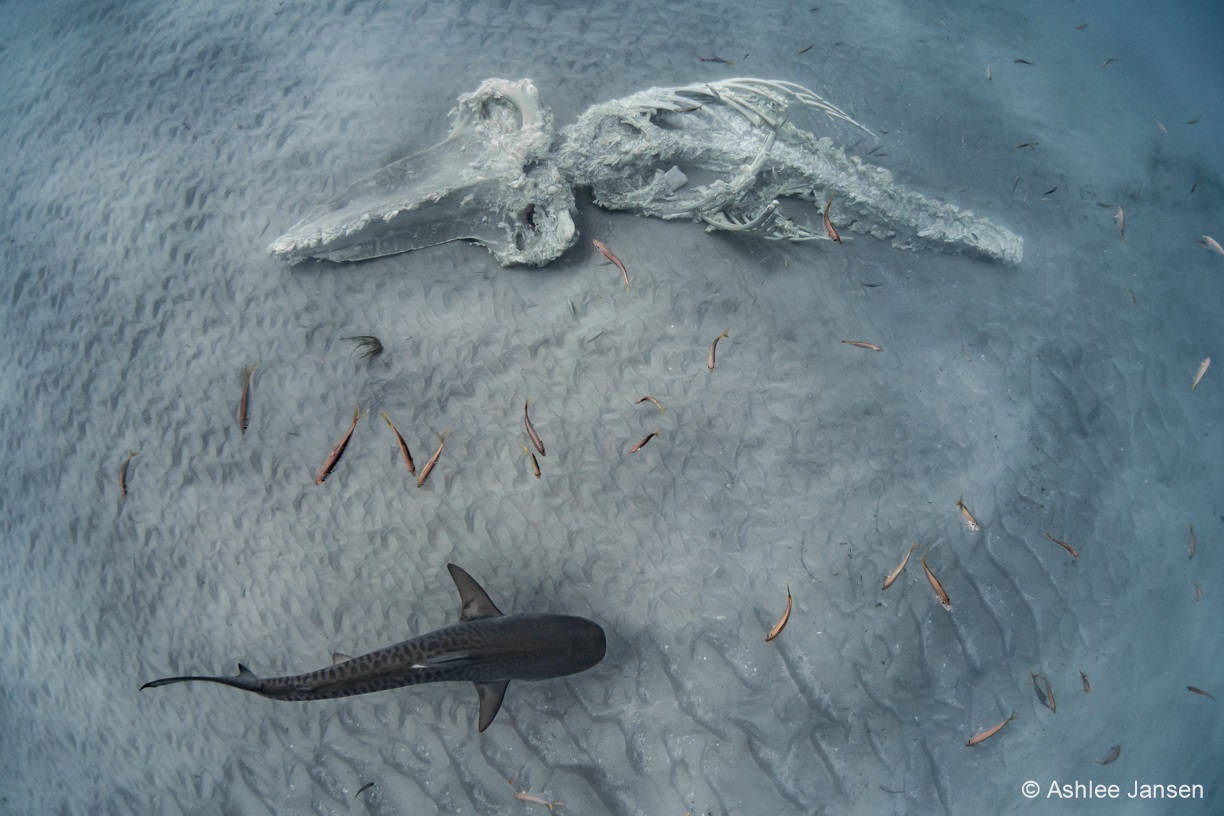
<point x="721" y="153"/>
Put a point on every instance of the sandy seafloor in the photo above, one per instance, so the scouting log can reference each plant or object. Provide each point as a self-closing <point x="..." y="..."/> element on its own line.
<point x="151" y="151"/>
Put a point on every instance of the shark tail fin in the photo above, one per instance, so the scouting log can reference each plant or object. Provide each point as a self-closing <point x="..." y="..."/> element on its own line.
<point x="246" y="680"/>
<point x="491" y="695"/>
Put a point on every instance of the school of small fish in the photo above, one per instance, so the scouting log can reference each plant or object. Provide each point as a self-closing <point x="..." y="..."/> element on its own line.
<point x="1041" y="682"/>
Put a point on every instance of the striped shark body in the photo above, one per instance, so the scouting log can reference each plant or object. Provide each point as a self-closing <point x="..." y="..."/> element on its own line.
<point x="486" y="648"/>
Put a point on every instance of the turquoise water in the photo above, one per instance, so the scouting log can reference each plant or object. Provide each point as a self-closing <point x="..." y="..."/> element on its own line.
<point x="152" y="151"/>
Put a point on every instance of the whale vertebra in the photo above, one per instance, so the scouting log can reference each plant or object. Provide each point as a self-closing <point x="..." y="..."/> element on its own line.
<point x="486" y="648"/>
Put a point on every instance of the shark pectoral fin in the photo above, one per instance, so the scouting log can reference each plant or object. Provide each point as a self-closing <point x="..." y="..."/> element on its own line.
<point x="490" y="701"/>
<point x="340" y="657"/>
<point x="474" y="602"/>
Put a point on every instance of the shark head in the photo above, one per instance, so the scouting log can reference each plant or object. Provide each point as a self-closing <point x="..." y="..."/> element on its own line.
<point x="559" y="645"/>
<point x="532" y="647"/>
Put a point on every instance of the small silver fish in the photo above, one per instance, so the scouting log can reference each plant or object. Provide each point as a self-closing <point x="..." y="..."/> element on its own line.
<point x="1212" y="244"/>
<point x="781" y="624"/>
<point x="892" y="576"/>
<point x="970" y="521"/>
<point x="940" y="593"/>
<point x="334" y="457"/>
<point x="531" y="431"/>
<point x="989" y="732"/>
<point x="433" y="460"/>
<point x="1202" y="369"/>
<point x="713" y="349"/>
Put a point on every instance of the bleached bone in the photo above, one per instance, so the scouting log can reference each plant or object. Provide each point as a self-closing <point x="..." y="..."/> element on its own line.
<point x="490" y="181"/>
<point x="721" y="153"/>
<point x="731" y="137"/>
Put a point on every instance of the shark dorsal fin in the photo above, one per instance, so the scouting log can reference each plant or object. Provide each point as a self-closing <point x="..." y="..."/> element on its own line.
<point x="491" y="695"/>
<point x="474" y="602"/>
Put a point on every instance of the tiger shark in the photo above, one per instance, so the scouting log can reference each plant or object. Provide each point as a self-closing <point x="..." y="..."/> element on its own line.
<point x="486" y="648"/>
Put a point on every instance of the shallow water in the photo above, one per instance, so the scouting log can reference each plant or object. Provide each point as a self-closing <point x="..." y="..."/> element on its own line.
<point x="152" y="151"/>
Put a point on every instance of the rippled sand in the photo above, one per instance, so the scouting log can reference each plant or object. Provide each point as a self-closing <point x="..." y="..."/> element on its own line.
<point x="151" y="153"/>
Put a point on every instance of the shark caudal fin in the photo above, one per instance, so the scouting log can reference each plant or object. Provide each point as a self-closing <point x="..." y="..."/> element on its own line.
<point x="491" y="695"/>
<point x="474" y="602"/>
<point x="246" y="680"/>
